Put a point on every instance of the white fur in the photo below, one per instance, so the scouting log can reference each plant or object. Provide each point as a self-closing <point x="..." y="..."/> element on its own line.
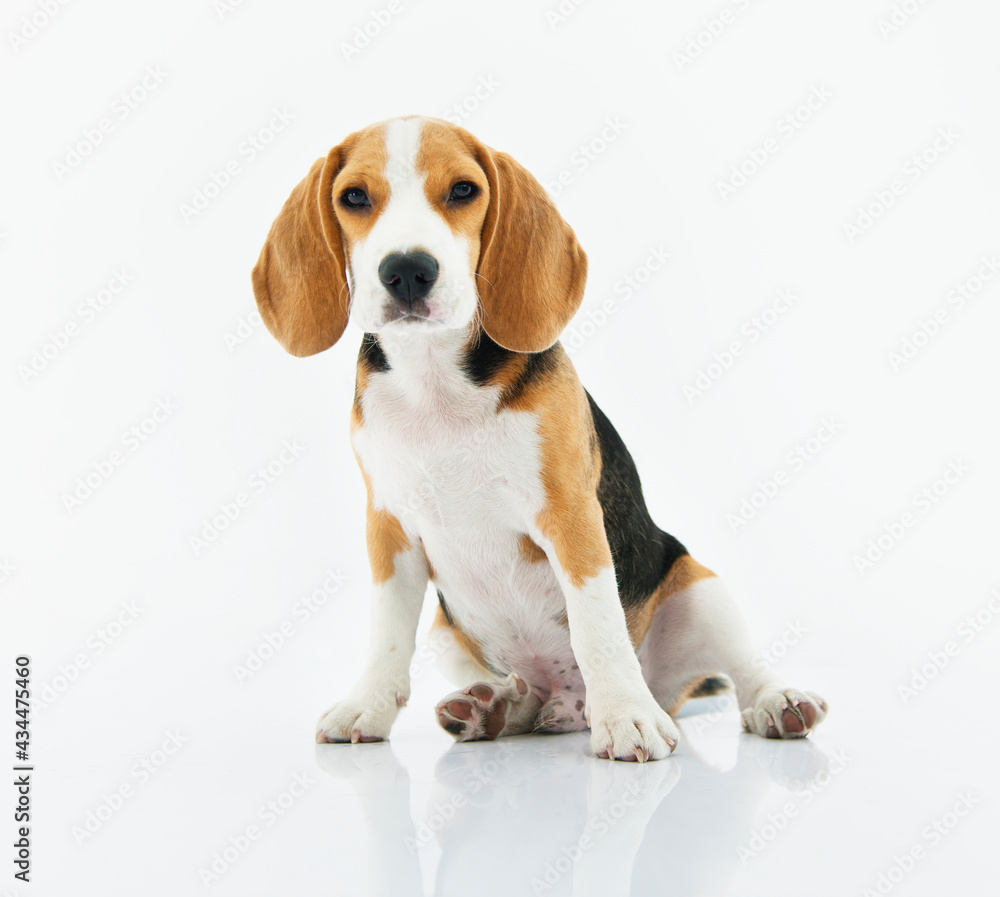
<point x="383" y="687"/>
<point x="624" y="717"/>
<point x="465" y="480"/>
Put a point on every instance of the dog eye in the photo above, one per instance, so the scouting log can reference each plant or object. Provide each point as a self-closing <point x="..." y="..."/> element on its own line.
<point x="355" y="198"/>
<point x="462" y="190"/>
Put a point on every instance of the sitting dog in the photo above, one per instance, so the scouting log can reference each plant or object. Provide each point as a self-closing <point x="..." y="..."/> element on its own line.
<point x="490" y="471"/>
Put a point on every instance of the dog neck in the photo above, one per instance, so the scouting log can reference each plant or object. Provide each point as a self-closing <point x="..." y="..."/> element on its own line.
<point x="433" y="368"/>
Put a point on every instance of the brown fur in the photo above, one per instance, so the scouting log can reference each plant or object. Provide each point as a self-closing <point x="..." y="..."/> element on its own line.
<point x="385" y="537"/>
<point x="466" y="641"/>
<point x="531" y="552"/>
<point x="532" y="270"/>
<point x="685" y="571"/>
<point x="701" y="687"/>
<point x="431" y="575"/>
<point x="571" y="470"/>
<point x="361" y="378"/>
<point x="299" y="281"/>
<point x="363" y="160"/>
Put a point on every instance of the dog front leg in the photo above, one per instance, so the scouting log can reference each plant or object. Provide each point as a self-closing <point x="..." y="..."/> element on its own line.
<point x="625" y="720"/>
<point x="399" y="580"/>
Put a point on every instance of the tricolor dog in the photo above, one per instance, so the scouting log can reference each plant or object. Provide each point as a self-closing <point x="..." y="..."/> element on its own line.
<point x="490" y="470"/>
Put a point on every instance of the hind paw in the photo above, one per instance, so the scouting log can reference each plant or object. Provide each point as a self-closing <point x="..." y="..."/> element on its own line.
<point x="787" y="713"/>
<point x="487" y="710"/>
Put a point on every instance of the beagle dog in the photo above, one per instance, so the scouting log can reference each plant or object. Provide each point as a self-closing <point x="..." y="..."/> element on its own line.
<point x="490" y="470"/>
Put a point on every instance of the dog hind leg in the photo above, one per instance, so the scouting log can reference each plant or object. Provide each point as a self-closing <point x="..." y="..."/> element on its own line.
<point x="698" y="632"/>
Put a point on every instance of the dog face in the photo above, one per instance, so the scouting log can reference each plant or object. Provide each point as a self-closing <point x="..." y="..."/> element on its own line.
<point x="414" y="223"/>
<point x="411" y="200"/>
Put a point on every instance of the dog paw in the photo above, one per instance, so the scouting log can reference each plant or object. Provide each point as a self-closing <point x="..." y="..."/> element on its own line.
<point x="784" y="713"/>
<point x="357" y="721"/>
<point x="638" y="734"/>
<point x="487" y="710"/>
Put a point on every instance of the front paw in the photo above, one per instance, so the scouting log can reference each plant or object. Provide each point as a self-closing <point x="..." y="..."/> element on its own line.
<point x="357" y="720"/>
<point x="638" y="732"/>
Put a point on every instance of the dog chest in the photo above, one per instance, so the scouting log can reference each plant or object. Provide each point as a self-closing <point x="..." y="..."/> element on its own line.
<point x="459" y="474"/>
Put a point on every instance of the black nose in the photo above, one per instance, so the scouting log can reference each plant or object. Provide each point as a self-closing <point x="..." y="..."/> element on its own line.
<point x="408" y="276"/>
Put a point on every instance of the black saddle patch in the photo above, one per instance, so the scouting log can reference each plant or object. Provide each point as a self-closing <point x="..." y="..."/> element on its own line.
<point x="642" y="552"/>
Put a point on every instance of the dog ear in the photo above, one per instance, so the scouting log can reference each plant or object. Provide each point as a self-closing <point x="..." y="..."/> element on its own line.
<point x="300" y="280"/>
<point x="532" y="270"/>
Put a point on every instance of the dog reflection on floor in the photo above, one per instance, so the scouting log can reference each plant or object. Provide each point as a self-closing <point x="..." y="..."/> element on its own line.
<point x="540" y="815"/>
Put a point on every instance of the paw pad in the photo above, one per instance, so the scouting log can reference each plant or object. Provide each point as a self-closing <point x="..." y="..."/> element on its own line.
<point x="784" y="714"/>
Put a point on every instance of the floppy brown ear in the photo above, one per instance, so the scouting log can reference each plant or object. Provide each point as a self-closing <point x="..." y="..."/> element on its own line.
<point x="299" y="280"/>
<point x="532" y="270"/>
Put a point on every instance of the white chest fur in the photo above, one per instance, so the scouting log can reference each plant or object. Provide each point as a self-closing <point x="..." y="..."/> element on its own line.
<point x="464" y="479"/>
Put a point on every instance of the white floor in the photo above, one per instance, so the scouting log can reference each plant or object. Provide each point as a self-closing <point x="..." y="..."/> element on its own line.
<point x="247" y="806"/>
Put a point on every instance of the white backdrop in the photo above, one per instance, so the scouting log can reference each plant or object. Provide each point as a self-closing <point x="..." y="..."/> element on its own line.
<point x="791" y="214"/>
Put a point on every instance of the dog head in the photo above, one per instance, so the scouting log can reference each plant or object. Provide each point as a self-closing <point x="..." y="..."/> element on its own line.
<point x="413" y="223"/>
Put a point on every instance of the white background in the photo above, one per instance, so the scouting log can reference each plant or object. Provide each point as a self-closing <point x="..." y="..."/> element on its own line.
<point x="686" y="117"/>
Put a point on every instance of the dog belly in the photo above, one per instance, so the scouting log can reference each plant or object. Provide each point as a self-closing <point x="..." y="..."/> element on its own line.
<point x="512" y="609"/>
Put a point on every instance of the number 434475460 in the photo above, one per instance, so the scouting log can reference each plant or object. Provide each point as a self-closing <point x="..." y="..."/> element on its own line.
<point x="22" y="733"/>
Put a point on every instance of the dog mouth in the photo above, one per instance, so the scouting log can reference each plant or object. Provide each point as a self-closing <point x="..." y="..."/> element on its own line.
<point x="410" y="313"/>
